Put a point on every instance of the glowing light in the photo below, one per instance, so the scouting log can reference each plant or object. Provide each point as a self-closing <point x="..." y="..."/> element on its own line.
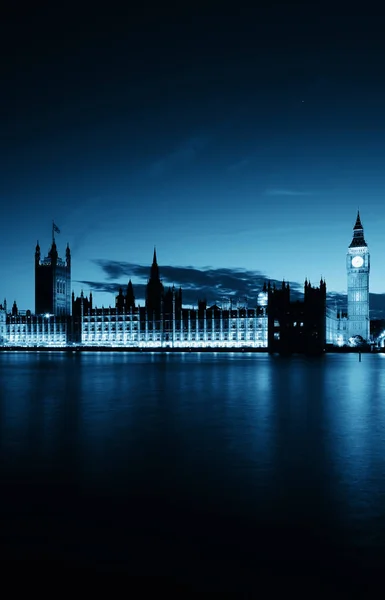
<point x="262" y="299"/>
<point x="340" y="341"/>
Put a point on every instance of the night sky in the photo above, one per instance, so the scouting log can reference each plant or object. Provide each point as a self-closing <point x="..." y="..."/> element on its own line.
<point x="241" y="144"/>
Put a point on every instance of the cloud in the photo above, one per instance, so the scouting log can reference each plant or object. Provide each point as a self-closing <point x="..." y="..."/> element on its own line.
<point x="182" y="155"/>
<point x="287" y="192"/>
<point x="196" y="283"/>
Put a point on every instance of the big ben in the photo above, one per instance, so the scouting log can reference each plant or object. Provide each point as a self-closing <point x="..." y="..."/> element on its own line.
<point x="358" y="268"/>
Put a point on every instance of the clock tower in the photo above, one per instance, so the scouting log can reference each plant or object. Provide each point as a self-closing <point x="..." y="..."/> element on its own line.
<point x="358" y="268"/>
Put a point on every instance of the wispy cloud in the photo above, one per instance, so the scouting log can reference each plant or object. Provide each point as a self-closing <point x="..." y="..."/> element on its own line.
<point x="239" y="165"/>
<point x="287" y="192"/>
<point x="183" y="154"/>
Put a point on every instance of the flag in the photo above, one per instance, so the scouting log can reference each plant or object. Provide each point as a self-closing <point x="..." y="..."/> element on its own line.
<point x="56" y="228"/>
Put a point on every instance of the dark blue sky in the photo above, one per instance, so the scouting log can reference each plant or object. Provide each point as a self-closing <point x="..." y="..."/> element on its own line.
<point x="232" y="141"/>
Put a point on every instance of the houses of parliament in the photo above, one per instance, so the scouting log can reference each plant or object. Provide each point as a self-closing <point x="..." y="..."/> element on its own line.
<point x="274" y="324"/>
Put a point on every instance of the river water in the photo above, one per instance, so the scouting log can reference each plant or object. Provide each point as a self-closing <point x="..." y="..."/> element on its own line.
<point x="203" y="467"/>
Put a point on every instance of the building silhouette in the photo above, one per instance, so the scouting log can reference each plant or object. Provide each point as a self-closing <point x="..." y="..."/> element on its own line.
<point x="297" y="326"/>
<point x="52" y="281"/>
<point x="82" y="303"/>
<point x="154" y="291"/>
<point x="125" y="302"/>
<point x="275" y="323"/>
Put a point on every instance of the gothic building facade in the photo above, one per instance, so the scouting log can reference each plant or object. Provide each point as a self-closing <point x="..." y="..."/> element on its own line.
<point x="22" y="328"/>
<point x="358" y="269"/>
<point x="52" y="282"/>
<point x="164" y="323"/>
<point x="349" y="327"/>
<point x="275" y="322"/>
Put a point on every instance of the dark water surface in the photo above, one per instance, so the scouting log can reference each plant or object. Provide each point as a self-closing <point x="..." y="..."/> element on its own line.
<point x="198" y="466"/>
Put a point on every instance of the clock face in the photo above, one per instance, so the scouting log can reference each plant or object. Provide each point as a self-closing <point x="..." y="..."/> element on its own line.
<point x="357" y="261"/>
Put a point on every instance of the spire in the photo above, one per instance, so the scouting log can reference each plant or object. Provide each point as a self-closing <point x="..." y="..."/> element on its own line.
<point x="358" y="224"/>
<point x="154" y="274"/>
<point x="68" y="255"/>
<point x="53" y="253"/>
<point x="37" y="252"/>
<point x="358" y="240"/>
<point x="130" y="297"/>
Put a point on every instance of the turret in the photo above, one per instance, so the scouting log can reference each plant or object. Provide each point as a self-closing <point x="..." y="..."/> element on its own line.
<point x="37" y="253"/>
<point x="130" y="296"/>
<point x="68" y="256"/>
<point x="53" y="253"/>
<point x="119" y="301"/>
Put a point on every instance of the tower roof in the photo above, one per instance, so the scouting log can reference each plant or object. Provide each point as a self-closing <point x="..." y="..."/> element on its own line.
<point x="154" y="273"/>
<point x="358" y="240"/>
<point x="358" y="224"/>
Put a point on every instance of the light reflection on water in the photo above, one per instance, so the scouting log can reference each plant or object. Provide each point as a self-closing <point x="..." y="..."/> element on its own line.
<point x="290" y="440"/>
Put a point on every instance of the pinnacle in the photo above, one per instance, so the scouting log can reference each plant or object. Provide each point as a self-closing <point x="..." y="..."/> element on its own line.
<point x="358" y="224"/>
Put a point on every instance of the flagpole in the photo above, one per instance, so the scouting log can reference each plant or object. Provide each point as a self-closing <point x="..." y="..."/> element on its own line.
<point x="53" y="232"/>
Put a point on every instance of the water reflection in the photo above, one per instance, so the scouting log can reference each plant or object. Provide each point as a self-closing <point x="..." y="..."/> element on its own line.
<point x="355" y="428"/>
<point x="286" y="440"/>
<point x="39" y="408"/>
